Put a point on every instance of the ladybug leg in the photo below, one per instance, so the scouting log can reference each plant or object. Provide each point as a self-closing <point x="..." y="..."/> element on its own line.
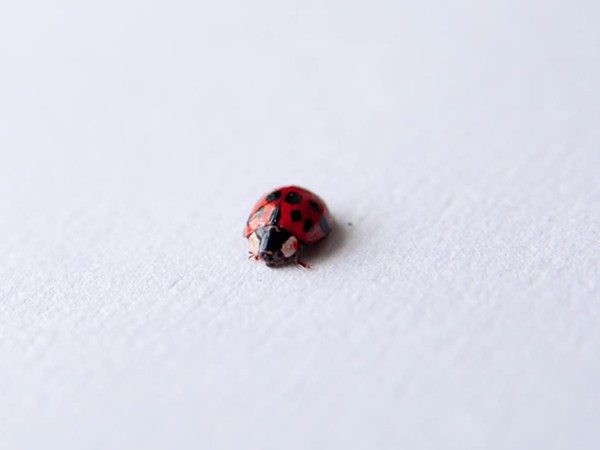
<point x="301" y="263"/>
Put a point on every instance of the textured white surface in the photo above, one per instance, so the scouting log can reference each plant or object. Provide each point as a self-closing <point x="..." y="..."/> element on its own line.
<point x="460" y="310"/>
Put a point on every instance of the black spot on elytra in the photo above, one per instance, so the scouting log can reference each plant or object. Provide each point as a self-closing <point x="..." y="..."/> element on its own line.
<point x="308" y="225"/>
<point x="293" y="198"/>
<point x="296" y="215"/>
<point x="275" y="216"/>
<point x="315" y="206"/>
<point x="273" y="196"/>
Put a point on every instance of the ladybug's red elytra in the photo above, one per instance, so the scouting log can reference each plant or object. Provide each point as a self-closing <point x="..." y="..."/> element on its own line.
<point x="283" y="221"/>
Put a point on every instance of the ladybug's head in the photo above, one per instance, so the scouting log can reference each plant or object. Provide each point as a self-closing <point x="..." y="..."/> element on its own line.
<point x="273" y="245"/>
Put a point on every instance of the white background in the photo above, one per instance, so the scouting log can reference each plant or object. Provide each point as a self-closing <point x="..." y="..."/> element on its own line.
<point x="460" y="310"/>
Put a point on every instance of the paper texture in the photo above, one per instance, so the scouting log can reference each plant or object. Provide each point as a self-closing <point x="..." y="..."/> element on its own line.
<point x="456" y="304"/>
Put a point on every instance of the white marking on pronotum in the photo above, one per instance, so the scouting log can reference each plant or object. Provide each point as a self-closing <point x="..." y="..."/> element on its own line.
<point x="289" y="247"/>
<point x="254" y="243"/>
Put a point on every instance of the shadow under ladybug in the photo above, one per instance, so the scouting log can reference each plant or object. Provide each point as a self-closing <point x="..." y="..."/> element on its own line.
<point x="329" y="247"/>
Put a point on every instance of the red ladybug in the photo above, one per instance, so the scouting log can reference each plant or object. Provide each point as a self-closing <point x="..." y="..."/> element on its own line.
<point x="283" y="221"/>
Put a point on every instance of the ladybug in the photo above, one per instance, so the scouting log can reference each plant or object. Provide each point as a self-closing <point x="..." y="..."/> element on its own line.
<point x="283" y="221"/>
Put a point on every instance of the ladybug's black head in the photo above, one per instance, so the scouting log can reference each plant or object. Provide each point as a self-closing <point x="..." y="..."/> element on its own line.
<point x="273" y="245"/>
